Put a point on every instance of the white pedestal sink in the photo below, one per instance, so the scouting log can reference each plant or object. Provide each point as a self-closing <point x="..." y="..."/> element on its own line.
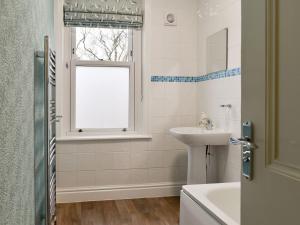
<point x="197" y="138"/>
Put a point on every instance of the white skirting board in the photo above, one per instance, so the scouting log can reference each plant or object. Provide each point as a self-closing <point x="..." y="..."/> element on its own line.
<point x="102" y="193"/>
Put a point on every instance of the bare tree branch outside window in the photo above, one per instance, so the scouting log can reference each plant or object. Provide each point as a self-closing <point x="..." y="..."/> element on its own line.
<point x="102" y="44"/>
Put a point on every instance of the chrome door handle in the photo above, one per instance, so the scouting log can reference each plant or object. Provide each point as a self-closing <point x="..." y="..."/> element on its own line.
<point x="247" y="149"/>
<point x="242" y="141"/>
<point x="246" y="156"/>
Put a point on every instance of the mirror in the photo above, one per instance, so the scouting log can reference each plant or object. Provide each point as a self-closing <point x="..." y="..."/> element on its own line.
<point x="216" y="51"/>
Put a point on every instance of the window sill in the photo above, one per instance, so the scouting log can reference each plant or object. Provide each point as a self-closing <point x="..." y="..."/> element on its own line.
<point x="104" y="137"/>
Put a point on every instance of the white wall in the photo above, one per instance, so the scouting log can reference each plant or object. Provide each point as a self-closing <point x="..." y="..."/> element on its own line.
<point x="96" y="170"/>
<point x="215" y="15"/>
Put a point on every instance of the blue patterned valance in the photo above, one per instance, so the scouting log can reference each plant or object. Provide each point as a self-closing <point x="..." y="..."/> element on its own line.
<point x="104" y="13"/>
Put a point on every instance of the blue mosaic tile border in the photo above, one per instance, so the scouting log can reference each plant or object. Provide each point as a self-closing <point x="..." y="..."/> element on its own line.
<point x="174" y="79"/>
<point x="196" y="79"/>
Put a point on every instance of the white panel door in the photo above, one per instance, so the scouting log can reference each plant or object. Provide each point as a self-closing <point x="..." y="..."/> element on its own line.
<point x="271" y="100"/>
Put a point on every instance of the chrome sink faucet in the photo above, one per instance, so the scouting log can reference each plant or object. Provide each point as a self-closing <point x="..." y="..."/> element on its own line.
<point x="229" y="106"/>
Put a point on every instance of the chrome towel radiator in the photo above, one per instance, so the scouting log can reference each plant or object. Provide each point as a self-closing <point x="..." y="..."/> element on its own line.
<point x="45" y="136"/>
<point x="50" y="129"/>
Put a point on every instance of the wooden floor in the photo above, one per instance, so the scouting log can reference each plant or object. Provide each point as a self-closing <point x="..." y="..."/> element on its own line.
<point x="154" y="211"/>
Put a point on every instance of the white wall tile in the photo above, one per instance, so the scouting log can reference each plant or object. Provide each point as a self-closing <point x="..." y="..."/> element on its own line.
<point x="121" y="160"/>
<point x="66" y="148"/>
<point x="171" y="174"/>
<point x="138" y="159"/>
<point x="173" y="106"/>
<point x="175" y="158"/>
<point x="66" y="179"/>
<point x="139" y="176"/>
<point x="116" y="160"/>
<point x="157" y="175"/>
<point x="86" y="147"/>
<point x="86" y="178"/>
<point x="157" y="106"/>
<point x="86" y="161"/>
<point x="181" y="174"/>
<point x="140" y="145"/>
<point x="173" y="143"/>
<point x="113" y="177"/>
<point x="188" y="121"/>
<point x="159" y="142"/>
<point x="162" y="124"/>
<point x="235" y="59"/>
<point x="155" y="159"/>
<point x="158" y="90"/>
<point x="66" y="162"/>
<point x="117" y="146"/>
<point x="176" y="174"/>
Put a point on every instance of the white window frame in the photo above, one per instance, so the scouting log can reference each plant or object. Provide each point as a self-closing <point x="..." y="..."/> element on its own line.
<point x="133" y="96"/>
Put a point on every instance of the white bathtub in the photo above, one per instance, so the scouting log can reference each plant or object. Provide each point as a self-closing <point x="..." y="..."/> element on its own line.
<point x="210" y="204"/>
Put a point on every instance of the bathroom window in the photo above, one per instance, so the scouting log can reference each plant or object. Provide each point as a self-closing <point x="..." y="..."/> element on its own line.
<point x="103" y="80"/>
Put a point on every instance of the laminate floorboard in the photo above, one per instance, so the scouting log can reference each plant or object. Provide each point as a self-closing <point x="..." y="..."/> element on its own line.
<point x="149" y="211"/>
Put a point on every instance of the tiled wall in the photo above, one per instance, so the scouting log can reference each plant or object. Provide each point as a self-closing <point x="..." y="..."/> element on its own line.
<point x="172" y="101"/>
<point x="215" y="15"/>
<point x="121" y="162"/>
<point x="162" y="160"/>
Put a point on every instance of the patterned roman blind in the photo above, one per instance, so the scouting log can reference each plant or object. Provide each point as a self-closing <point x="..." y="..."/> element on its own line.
<point x="104" y="13"/>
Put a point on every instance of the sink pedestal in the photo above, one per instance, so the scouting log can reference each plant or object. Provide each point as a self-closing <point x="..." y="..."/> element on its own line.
<point x="197" y="138"/>
<point x="196" y="165"/>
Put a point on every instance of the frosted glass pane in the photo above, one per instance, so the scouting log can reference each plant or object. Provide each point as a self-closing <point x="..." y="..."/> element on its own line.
<point x="102" y="97"/>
